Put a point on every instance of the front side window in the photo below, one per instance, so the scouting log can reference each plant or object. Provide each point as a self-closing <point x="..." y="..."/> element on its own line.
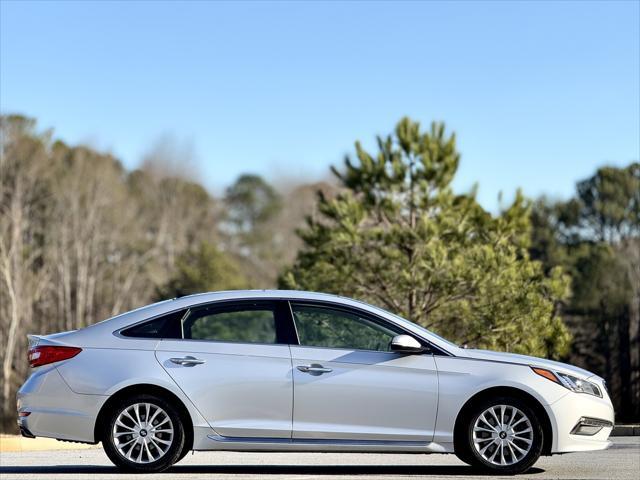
<point x="246" y="324"/>
<point x="320" y="326"/>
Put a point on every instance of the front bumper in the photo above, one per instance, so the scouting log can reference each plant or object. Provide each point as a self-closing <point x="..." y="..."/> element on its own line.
<point x="572" y="410"/>
<point x="56" y="411"/>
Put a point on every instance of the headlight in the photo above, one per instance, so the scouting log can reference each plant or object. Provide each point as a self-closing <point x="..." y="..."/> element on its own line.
<point x="577" y="385"/>
<point x="569" y="381"/>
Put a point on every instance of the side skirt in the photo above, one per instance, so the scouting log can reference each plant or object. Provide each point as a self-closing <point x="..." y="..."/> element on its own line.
<point x="244" y="444"/>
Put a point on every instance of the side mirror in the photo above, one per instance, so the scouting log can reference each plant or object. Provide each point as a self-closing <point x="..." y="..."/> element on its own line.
<point x="406" y="344"/>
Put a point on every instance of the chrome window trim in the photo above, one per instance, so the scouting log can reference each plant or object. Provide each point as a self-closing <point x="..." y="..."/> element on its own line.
<point x="436" y="350"/>
<point x="202" y="340"/>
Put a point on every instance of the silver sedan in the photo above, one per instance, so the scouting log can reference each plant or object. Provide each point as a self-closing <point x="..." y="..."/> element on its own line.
<point x="300" y="371"/>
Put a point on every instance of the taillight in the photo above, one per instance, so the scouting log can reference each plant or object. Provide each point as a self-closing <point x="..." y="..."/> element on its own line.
<point x="46" y="354"/>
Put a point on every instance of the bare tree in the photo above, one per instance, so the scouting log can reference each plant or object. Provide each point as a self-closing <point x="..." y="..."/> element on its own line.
<point x="22" y="209"/>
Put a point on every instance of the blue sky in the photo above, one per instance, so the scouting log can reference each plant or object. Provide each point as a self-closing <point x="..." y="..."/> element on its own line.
<point x="539" y="93"/>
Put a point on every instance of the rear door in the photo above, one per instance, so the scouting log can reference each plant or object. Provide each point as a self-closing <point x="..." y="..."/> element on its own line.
<point x="233" y="361"/>
<point x="349" y="385"/>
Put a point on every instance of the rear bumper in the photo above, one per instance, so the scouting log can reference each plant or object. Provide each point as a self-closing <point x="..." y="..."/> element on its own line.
<point x="56" y="411"/>
<point x="569" y="411"/>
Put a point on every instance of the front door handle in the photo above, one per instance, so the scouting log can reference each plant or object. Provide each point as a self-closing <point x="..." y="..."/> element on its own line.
<point x="314" y="369"/>
<point x="187" y="361"/>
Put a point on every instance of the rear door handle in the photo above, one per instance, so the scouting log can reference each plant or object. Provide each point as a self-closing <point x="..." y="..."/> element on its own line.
<point x="187" y="361"/>
<point x="314" y="369"/>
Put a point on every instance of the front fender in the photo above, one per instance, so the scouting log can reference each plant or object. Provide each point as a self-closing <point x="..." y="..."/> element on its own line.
<point x="459" y="379"/>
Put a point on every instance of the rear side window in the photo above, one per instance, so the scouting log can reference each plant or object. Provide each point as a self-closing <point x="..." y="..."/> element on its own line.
<point x="167" y="326"/>
<point x="238" y="323"/>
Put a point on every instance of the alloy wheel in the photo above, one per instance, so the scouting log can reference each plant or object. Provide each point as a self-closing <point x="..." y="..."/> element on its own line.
<point x="502" y="435"/>
<point x="143" y="433"/>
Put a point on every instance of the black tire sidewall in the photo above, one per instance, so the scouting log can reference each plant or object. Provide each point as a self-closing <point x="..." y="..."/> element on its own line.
<point x="185" y="451"/>
<point x="169" y="458"/>
<point x="529" y="459"/>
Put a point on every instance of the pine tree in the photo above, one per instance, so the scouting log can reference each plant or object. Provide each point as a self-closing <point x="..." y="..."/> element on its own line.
<point x="399" y="237"/>
<point x="203" y="269"/>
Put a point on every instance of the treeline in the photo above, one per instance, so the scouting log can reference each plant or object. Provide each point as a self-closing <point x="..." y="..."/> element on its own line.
<point x="595" y="238"/>
<point x="82" y="239"/>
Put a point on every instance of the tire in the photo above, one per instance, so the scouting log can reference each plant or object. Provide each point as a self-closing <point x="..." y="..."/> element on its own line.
<point x="184" y="452"/>
<point x="137" y="446"/>
<point x="500" y="435"/>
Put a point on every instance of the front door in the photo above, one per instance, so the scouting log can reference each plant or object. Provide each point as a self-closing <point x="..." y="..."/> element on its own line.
<point x="235" y="367"/>
<point x="349" y="385"/>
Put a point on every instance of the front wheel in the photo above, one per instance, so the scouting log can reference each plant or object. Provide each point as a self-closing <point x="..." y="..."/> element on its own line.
<point x="502" y="435"/>
<point x="143" y="433"/>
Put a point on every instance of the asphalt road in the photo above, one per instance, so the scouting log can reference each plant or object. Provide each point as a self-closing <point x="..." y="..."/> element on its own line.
<point x="622" y="461"/>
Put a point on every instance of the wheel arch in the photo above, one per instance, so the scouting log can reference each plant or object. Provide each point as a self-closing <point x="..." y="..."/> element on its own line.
<point x="532" y="401"/>
<point x="144" y="388"/>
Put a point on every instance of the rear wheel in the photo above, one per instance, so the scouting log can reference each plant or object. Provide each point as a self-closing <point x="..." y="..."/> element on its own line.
<point x="184" y="452"/>
<point x="143" y="433"/>
<point x="502" y="435"/>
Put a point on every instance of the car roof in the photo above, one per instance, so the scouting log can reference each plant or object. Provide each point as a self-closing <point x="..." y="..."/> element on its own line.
<point x="264" y="293"/>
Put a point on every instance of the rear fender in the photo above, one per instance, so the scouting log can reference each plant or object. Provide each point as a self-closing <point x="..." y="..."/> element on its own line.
<point x="107" y="371"/>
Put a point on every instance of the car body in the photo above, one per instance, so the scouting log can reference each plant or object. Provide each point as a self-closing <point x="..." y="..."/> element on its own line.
<point x="300" y="371"/>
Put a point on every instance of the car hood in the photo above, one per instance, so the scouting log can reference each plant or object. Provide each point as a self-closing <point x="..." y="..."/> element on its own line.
<point x="527" y="360"/>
